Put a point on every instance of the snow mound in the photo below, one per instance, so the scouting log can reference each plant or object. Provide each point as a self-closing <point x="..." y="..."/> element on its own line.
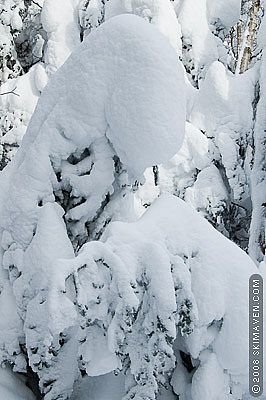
<point x="196" y="32"/>
<point x="158" y="12"/>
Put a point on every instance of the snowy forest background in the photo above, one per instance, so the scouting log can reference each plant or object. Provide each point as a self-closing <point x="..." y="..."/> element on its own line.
<point x="112" y="284"/>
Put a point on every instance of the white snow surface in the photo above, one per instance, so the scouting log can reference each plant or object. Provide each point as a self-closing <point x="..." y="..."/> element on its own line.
<point x="158" y="12"/>
<point x="12" y="387"/>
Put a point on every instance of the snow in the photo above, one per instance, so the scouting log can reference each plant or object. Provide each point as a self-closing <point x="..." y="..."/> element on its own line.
<point x="217" y="102"/>
<point x="138" y="294"/>
<point x="16" y="21"/>
<point x="262" y="33"/>
<point x="258" y="182"/>
<point x="27" y="93"/>
<point x="105" y="387"/>
<point x="210" y="381"/>
<point x="58" y="20"/>
<point x="124" y="60"/>
<point x="192" y="17"/>
<point x="215" y="279"/>
<point x="158" y="12"/>
<point x="208" y="190"/>
<point x="118" y="66"/>
<point x="10" y="327"/>
<point x="223" y="109"/>
<point x="12" y="387"/>
<point x="214" y="274"/>
<point x="154" y="116"/>
<point x="227" y="11"/>
<point x="40" y="77"/>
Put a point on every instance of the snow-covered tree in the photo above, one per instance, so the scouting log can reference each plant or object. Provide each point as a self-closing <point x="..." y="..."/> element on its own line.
<point x="84" y="163"/>
<point x="202" y="33"/>
<point x="258" y="178"/>
<point x="213" y="170"/>
<point x="161" y="300"/>
<point x="213" y="176"/>
<point x="21" y="42"/>
<point x="36" y="37"/>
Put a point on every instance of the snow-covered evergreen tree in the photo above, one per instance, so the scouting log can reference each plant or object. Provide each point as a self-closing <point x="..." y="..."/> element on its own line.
<point x="202" y="33"/>
<point x="160" y="300"/>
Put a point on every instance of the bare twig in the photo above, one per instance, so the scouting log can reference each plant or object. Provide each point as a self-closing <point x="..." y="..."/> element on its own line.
<point x="37" y="4"/>
<point x="11" y="92"/>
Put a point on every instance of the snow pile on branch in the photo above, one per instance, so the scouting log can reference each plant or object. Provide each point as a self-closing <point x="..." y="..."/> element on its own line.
<point x="204" y="26"/>
<point x="212" y="169"/>
<point x="58" y="20"/>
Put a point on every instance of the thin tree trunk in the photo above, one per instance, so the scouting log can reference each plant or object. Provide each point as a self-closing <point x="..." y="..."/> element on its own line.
<point x="252" y="31"/>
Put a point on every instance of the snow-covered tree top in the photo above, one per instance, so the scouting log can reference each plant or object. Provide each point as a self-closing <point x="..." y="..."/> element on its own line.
<point x="158" y="12"/>
<point x="125" y="60"/>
